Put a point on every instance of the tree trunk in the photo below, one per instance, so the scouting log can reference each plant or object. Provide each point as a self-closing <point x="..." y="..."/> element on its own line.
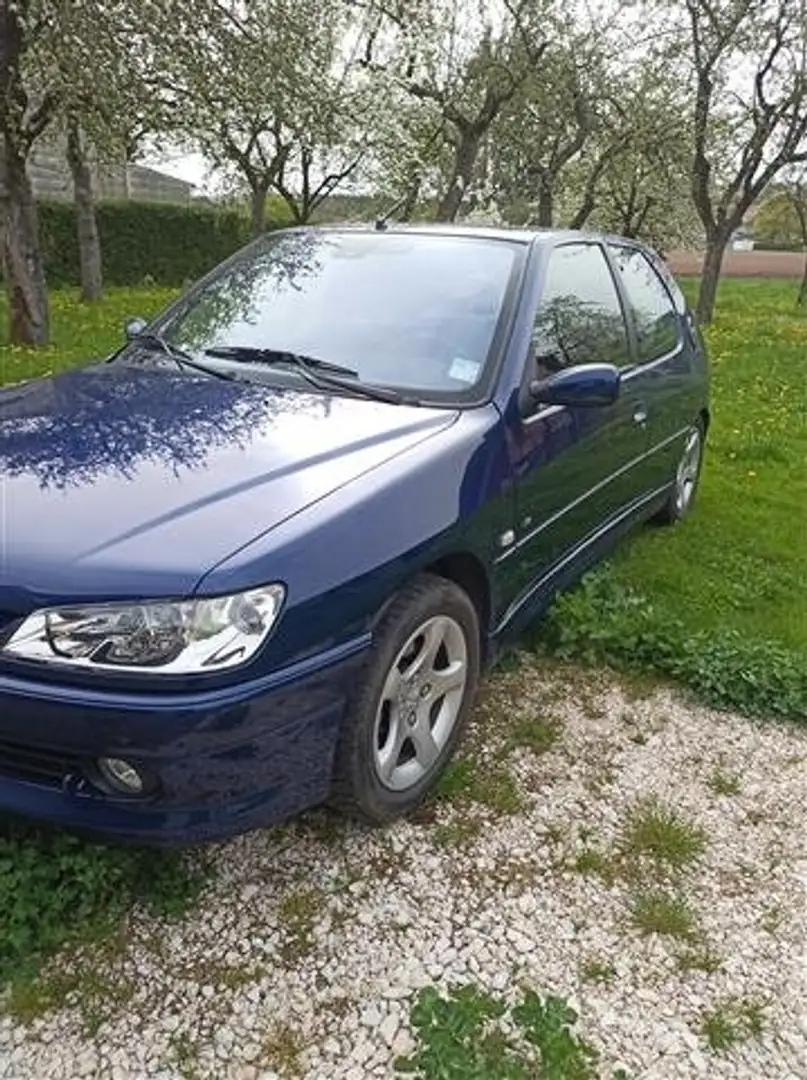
<point x="89" y="240"/>
<point x="410" y="202"/>
<point x="546" y="202"/>
<point x="710" y="276"/>
<point x="259" y="191"/>
<point x="462" y="174"/>
<point x="22" y="256"/>
<point x="127" y="176"/>
<point x="802" y="297"/>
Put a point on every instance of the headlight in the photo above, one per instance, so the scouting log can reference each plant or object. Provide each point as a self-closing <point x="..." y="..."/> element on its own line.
<point x="175" y="637"/>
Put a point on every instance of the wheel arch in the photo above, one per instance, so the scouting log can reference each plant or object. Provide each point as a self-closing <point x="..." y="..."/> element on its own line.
<point x="468" y="572"/>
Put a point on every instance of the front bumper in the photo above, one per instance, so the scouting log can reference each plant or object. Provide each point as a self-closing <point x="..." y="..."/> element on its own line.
<point x="231" y="759"/>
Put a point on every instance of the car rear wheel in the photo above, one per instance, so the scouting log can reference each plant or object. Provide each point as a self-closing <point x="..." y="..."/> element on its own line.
<point x="687" y="475"/>
<point x="412" y="702"/>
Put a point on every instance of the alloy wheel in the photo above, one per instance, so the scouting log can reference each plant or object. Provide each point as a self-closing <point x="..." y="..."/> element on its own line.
<point x="420" y="703"/>
<point x="687" y="473"/>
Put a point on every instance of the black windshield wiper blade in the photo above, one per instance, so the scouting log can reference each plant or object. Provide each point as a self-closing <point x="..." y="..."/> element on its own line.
<point x="258" y="355"/>
<point x="320" y="373"/>
<point x="179" y="356"/>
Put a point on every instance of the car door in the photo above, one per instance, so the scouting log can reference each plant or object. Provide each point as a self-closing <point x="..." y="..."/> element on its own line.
<point x="573" y="468"/>
<point x="661" y="377"/>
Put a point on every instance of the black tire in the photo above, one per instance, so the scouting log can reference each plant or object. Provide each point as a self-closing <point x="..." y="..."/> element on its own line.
<point x="679" y="502"/>
<point x="357" y="786"/>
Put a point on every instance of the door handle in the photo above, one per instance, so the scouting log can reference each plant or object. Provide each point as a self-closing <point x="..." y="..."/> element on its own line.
<point x="640" y="415"/>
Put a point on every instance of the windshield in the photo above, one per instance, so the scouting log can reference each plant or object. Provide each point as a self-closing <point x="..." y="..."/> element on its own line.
<point x="417" y="312"/>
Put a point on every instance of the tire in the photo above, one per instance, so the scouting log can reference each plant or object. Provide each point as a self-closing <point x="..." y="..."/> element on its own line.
<point x="402" y="724"/>
<point x="687" y="477"/>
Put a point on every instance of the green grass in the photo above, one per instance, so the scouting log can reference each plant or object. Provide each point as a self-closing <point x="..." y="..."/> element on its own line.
<point x="80" y="332"/>
<point x="722" y="783"/>
<point x="597" y="970"/>
<point x="297" y="914"/>
<point x="656" y="912"/>
<point x="658" y="833"/>
<point x="720" y="602"/>
<point x="465" y="780"/>
<point x="731" y="1022"/>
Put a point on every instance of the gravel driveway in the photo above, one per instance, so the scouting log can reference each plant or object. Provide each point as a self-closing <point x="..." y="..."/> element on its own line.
<point x="540" y="866"/>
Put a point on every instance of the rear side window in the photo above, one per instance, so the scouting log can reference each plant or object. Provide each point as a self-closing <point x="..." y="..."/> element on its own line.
<point x="580" y="318"/>
<point x="653" y="310"/>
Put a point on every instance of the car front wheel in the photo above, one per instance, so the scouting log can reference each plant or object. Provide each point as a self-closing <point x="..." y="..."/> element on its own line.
<point x="412" y="702"/>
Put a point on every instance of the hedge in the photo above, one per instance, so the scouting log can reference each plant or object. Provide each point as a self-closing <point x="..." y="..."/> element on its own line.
<point x="142" y="240"/>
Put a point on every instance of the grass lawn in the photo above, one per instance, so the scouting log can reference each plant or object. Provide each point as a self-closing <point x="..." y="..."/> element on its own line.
<point x="741" y="561"/>
<point x="79" y="331"/>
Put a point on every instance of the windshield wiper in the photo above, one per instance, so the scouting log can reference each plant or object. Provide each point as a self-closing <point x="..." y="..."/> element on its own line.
<point x="179" y="356"/>
<point x="257" y="355"/>
<point x="320" y="373"/>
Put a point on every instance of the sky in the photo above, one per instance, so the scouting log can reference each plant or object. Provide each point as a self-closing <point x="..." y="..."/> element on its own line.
<point x="191" y="167"/>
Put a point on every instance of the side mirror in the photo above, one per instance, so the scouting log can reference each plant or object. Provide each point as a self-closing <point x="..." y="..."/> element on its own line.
<point x="134" y="328"/>
<point x="583" y="385"/>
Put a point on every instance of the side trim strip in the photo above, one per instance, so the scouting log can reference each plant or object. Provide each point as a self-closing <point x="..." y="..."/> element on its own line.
<point x="570" y="557"/>
<point x="587" y="495"/>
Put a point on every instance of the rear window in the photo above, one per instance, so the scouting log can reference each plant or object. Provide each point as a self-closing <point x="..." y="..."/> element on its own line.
<point x="654" y="314"/>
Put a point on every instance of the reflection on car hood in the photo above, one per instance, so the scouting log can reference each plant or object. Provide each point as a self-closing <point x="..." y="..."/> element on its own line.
<point x="118" y="480"/>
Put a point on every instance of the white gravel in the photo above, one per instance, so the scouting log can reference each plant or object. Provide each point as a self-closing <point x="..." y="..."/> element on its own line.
<point x="306" y="952"/>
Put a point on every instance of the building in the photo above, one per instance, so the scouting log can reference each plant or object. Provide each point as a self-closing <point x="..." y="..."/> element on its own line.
<point x="50" y="178"/>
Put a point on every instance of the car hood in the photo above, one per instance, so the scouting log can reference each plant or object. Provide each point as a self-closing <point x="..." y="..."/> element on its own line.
<point x="120" y="481"/>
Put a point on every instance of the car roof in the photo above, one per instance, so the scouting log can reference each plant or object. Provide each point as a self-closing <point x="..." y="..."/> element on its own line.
<point x="537" y="236"/>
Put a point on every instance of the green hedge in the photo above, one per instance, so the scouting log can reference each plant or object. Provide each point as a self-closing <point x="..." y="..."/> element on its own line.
<point x="141" y="240"/>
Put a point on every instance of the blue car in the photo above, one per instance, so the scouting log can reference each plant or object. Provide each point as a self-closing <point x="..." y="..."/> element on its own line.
<point x="258" y="558"/>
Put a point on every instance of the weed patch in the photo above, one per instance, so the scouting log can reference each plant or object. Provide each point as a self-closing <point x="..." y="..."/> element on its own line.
<point x="470" y="1033"/>
<point x="297" y="913"/>
<point x="656" y="832"/>
<point x="57" y="889"/>
<point x="494" y="787"/>
<point x="657" y="912"/>
<point x="731" y="1022"/>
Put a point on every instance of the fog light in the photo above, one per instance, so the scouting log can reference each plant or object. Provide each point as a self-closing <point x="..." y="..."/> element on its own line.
<point x="121" y="776"/>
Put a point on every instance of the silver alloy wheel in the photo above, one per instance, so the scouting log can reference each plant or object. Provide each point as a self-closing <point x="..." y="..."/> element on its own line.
<point x="687" y="474"/>
<point x="420" y="703"/>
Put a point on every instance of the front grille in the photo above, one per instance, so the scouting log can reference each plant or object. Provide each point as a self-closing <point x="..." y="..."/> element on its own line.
<point x="36" y="764"/>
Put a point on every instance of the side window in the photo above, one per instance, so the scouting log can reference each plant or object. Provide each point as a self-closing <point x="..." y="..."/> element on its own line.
<point x="653" y="310"/>
<point x="580" y="318"/>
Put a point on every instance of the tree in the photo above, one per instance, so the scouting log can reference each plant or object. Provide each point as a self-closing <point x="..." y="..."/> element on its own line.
<point x="89" y="241"/>
<point x="67" y="62"/>
<point x="797" y="196"/>
<point x="332" y="125"/>
<point x="23" y="118"/>
<point x="108" y="110"/>
<point x="463" y="63"/>
<point x="748" y="67"/>
<point x="255" y="90"/>
<point x="552" y="117"/>
<point x="643" y="189"/>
